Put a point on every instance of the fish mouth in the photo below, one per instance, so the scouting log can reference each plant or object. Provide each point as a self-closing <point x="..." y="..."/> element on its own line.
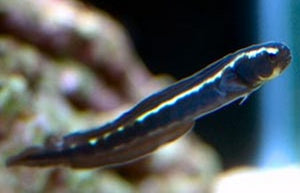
<point x="285" y="57"/>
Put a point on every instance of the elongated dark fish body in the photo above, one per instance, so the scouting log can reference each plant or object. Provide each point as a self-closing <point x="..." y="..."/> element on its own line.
<point x="165" y="115"/>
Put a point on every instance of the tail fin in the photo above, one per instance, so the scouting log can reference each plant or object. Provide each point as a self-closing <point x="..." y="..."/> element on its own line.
<point x="38" y="156"/>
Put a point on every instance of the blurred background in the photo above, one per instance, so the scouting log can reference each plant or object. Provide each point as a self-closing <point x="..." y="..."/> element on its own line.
<point x="71" y="65"/>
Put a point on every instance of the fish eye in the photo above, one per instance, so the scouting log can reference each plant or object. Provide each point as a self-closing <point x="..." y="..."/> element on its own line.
<point x="272" y="57"/>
